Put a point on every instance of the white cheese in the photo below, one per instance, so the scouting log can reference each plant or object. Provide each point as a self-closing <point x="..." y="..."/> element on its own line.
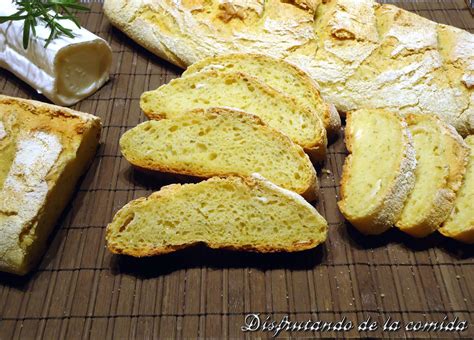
<point x="67" y="71"/>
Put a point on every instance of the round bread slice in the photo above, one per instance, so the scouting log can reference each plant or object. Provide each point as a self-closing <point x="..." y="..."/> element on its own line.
<point x="250" y="214"/>
<point x="460" y="224"/>
<point x="279" y="74"/>
<point x="240" y="91"/>
<point x="442" y="158"/>
<point x="378" y="174"/>
<point x="220" y="142"/>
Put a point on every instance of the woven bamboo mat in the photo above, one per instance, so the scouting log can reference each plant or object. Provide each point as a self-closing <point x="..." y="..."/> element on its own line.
<point x="82" y="291"/>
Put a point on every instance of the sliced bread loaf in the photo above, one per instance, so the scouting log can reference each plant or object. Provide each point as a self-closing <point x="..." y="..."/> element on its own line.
<point x="216" y="142"/>
<point x="250" y="214"/>
<point x="378" y="174"/>
<point x="279" y="74"/>
<point x="441" y="163"/>
<point x="240" y="91"/>
<point x="460" y="224"/>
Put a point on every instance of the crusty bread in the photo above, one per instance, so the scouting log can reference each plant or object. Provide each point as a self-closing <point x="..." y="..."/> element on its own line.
<point x="249" y="214"/>
<point x="361" y="53"/>
<point x="460" y="224"/>
<point x="240" y="91"/>
<point x="220" y="142"/>
<point x="279" y="74"/>
<point x="378" y="174"/>
<point x="441" y="163"/>
<point x="44" y="149"/>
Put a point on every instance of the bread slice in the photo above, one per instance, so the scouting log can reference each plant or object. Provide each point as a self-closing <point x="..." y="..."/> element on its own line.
<point x="240" y="91"/>
<point x="441" y="163"/>
<point x="249" y="214"/>
<point x="378" y="174"/>
<point x="220" y="142"/>
<point x="44" y="149"/>
<point x="280" y="75"/>
<point x="460" y="224"/>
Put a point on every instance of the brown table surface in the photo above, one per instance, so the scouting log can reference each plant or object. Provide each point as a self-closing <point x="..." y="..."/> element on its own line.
<point x="82" y="291"/>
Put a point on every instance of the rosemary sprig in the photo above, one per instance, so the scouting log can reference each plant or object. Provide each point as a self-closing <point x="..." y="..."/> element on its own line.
<point x="51" y="12"/>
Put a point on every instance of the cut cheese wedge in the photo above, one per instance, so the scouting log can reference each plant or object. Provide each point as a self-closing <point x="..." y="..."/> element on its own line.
<point x="460" y="224"/>
<point x="378" y="174"/>
<point x="220" y="142"/>
<point x="279" y="74"/>
<point x="249" y="214"/>
<point x="66" y="71"/>
<point x="237" y="90"/>
<point x="441" y="163"/>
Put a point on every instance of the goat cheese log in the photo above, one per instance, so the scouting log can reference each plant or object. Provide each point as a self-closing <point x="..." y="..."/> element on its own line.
<point x="66" y="71"/>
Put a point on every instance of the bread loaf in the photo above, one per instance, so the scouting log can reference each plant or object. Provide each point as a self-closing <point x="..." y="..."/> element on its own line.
<point x="44" y="149"/>
<point x="378" y="174"/>
<point x="242" y="214"/>
<point x="361" y="53"/>
<point x="280" y="75"/>
<point x="460" y="223"/>
<point x="441" y="163"/>
<point x="220" y="142"/>
<point x="237" y="90"/>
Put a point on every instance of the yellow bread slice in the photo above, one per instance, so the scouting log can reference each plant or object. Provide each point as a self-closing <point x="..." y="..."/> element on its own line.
<point x="44" y="149"/>
<point x="237" y="90"/>
<point x="460" y="224"/>
<point x="378" y="174"/>
<point x="220" y="142"/>
<point x="441" y="163"/>
<point x="279" y="74"/>
<point x="249" y="214"/>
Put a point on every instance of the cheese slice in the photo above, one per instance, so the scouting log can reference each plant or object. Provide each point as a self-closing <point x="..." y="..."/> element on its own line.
<point x="66" y="71"/>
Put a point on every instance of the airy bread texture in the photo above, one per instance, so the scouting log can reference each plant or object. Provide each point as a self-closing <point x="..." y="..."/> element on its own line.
<point x="378" y="174"/>
<point x="249" y="214"/>
<point x="362" y="54"/>
<point x="442" y="158"/>
<point x="280" y="75"/>
<point x="220" y="142"/>
<point x="460" y="224"/>
<point x="240" y="91"/>
<point x="44" y="149"/>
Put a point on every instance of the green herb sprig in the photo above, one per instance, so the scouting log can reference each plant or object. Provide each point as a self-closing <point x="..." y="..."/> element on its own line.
<point x="51" y="12"/>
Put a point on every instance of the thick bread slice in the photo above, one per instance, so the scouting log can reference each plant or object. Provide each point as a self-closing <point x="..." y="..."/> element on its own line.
<point x="442" y="158"/>
<point x="250" y="214"/>
<point x="460" y="224"/>
<point x="279" y="74"/>
<point x="220" y="142"/>
<point x="240" y="91"/>
<point x="378" y="174"/>
<point x="44" y="149"/>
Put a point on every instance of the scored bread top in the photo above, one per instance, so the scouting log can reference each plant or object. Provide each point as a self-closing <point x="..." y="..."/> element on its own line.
<point x="442" y="158"/>
<point x="213" y="142"/>
<point x="378" y="173"/>
<point x="250" y="214"/>
<point x="460" y="223"/>
<point x="279" y="74"/>
<point x="240" y="91"/>
<point x="37" y="143"/>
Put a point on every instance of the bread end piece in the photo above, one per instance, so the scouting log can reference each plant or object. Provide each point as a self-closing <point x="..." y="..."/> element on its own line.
<point x="60" y="144"/>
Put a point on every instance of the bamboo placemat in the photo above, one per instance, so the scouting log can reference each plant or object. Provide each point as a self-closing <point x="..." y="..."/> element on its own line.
<point x="82" y="291"/>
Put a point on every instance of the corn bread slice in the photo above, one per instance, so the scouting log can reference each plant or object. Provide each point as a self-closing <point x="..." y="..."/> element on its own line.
<point x="237" y="90"/>
<point x="441" y="163"/>
<point x="279" y="74"/>
<point x="250" y="214"/>
<point x="44" y="149"/>
<point x="378" y="174"/>
<point x="460" y="224"/>
<point x="220" y="142"/>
